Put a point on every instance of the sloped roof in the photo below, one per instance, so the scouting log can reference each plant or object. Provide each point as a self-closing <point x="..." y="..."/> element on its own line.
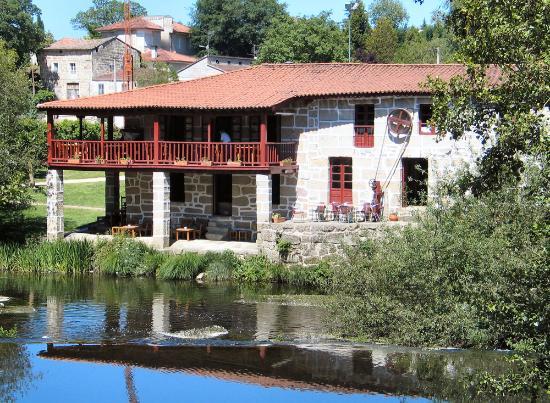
<point x="182" y="29"/>
<point x="77" y="44"/>
<point x="135" y="23"/>
<point x="168" y="57"/>
<point x="269" y="85"/>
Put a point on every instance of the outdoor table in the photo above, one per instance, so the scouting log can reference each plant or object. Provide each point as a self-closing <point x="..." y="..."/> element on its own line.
<point x="189" y="233"/>
<point x="125" y="229"/>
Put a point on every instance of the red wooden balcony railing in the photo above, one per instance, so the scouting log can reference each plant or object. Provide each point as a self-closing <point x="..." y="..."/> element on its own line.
<point x="364" y="136"/>
<point x="425" y="128"/>
<point x="143" y="153"/>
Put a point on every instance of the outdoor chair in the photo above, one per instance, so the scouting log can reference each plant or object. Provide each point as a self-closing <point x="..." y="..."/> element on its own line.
<point x="345" y="214"/>
<point x="366" y="211"/>
<point x="146" y="228"/>
<point x="319" y="214"/>
<point x="201" y="224"/>
<point x="334" y="211"/>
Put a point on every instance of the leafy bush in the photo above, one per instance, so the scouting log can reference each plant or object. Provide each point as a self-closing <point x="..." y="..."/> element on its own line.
<point x="257" y="269"/>
<point x="182" y="267"/>
<point x="220" y="267"/>
<point x="318" y="276"/>
<point x="126" y="257"/>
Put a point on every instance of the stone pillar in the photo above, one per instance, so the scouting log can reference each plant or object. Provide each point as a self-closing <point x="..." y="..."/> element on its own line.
<point x="55" y="220"/>
<point x="264" y="207"/>
<point x="112" y="192"/>
<point x="161" y="209"/>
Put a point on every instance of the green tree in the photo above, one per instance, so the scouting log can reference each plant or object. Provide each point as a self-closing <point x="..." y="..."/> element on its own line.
<point x="360" y="29"/>
<point x="21" y="27"/>
<point x="233" y="27"/>
<point x="15" y="101"/>
<point x="155" y="73"/>
<point x="420" y="46"/>
<point x="104" y="12"/>
<point x="304" y="40"/>
<point x="505" y="114"/>
<point x="382" y="43"/>
<point x="392" y="10"/>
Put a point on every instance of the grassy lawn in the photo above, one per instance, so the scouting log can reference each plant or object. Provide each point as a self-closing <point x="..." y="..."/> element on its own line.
<point x="83" y="174"/>
<point x="74" y="217"/>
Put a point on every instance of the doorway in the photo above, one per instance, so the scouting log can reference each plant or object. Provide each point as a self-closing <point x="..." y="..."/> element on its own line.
<point x="341" y="180"/>
<point x="415" y="181"/>
<point x="223" y="195"/>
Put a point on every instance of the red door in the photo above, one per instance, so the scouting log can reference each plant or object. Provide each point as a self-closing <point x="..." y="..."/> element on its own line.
<point x="341" y="180"/>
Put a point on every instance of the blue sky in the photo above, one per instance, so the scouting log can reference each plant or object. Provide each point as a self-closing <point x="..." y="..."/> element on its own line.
<point x="58" y="13"/>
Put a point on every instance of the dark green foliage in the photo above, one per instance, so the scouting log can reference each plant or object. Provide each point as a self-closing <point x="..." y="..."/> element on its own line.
<point x="126" y="257"/>
<point x="382" y="43"/>
<point x="69" y="130"/>
<point x="304" y="40"/>
<point x="473" y="272"/>
<point x="21" y="27"/>
<point x="42" y="96"/>
<point x="182" y="267"/>
<point x="67" y="257"/>
<point x="233" y="27"/>
<point x="360" y="30"/>
<point x="392" y="10"/>
<point x="318" y="276"/>
<point x="220" y="266"/>
<point x="104" y="12"/>
<point x="154" y="74"/>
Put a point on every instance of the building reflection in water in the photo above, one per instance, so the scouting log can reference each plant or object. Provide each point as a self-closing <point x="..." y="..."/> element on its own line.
<point x="54" y="316"/>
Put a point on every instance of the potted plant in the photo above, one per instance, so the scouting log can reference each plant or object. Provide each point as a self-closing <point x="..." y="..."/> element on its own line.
<point x="75" y="159"/>
<point x="181" y="162"/>
<point x="125" y="161"/>
<point x="286" y="162"/>
<point x="277" y="218"/>
<point x="99" y="160"/>
<point x="393" y="217"/>
<point x="205" y="161"/>
<point x="236" y="163"/>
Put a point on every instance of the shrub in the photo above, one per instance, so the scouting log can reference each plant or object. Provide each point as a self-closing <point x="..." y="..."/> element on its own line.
<point x="220" y="267"/>
<point x="318" y="276"/>
<point x="182" y="267"/>
<point x="126" y="257"/>
<point x="257" y="269"/>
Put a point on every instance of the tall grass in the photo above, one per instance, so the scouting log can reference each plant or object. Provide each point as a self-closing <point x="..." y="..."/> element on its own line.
<point x="182" y="267"/>
<point x="68" y="257"/>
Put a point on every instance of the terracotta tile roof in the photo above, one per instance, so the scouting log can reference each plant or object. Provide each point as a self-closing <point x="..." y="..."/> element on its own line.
<point x="166" y="56"/>
<point x="269" y="85"/>
<point x="77" y="44"/>
<point x="182" y="29"/>
<point x="135" y="23"/>
<point x="109" y="76"/>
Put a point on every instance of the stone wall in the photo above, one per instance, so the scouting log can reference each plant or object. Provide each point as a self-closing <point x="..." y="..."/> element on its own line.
<point x="199" y="190"/>
<point x="312" y="241"/>
<point x="325" y="129"/>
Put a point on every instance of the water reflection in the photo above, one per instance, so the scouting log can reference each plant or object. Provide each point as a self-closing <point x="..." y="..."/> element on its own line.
<point x="92" y="309"/>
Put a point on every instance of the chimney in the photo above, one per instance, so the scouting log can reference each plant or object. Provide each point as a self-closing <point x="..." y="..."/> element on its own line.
<point x="154" y="52"/>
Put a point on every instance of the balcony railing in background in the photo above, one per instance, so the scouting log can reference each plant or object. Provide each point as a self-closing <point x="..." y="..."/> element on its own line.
<point x="364" y="136"/>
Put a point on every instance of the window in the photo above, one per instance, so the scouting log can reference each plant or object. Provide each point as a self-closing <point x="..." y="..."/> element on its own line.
<point x="72" y="91"/>
<point x="55" y="68"/>
<point x="424" y="115"/>
<point x="101" y="89"/>
<point x="414" y="181"/>
<point x="364" y="126"/>
<point x="72" y="68"/>
<point x="276" y="189"/>
<point x="177" y="187"/>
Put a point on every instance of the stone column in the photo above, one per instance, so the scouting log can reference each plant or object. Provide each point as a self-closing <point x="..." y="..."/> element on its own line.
<point x="112" y="192"/>
<point x="55" y="220"/>
<point x="264" y="207"/>
<point x="161" y="209"/>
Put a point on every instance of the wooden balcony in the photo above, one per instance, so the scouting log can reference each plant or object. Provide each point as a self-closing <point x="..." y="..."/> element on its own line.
<point x="170" y="154"/>
<point x="364" y="136"/>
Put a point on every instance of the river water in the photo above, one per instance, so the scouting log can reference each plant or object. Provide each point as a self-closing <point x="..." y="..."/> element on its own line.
<point x="97" y="339"/>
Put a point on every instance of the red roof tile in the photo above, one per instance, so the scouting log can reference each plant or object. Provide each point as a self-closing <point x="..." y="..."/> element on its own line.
<point x="269" y="85"/>
<point x="168" y="57"/>
<point x="135" y="23"/>
<point x="77" y="44"/>
<point x="182" y="29"/>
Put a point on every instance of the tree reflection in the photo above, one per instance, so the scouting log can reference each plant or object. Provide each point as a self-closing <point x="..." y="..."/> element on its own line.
<point x="15" y="371"/>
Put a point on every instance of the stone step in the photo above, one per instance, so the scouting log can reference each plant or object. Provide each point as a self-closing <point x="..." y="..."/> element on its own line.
<point x="217" y="232"/>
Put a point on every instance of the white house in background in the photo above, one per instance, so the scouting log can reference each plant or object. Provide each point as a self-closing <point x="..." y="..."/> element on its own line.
<point x="153" y="32"/>
<point x="70" y="67"/>
<point x="212" y="66"/>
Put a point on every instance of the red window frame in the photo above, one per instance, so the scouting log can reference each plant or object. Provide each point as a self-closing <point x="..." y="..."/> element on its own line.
<point x="341" y="180"/>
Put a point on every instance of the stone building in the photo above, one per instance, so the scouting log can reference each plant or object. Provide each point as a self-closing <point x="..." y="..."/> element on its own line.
<point x="213" y="65"/>
<point x="74" y="68"/>
<point x="301" y="135"/>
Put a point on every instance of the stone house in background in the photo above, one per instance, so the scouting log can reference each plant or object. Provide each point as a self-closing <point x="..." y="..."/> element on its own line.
<point x="213" y="65"/>
<point x="74" y="68"/>
<point x="301" y="135"/>
<point x="158" y="38"/>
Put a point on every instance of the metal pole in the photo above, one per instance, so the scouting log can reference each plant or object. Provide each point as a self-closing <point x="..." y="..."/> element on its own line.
<point x="349" y="36"/>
